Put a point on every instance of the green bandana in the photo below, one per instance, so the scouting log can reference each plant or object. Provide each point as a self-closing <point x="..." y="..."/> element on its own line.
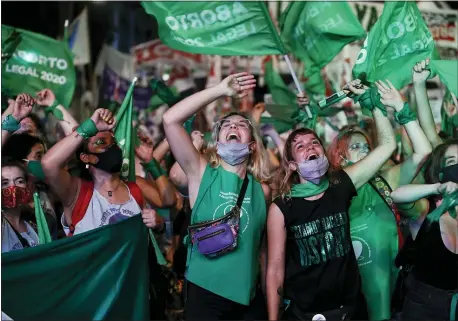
<point x="34" y="167"/>
<point x="448" y="205"/>
<point x="309" y="189"/>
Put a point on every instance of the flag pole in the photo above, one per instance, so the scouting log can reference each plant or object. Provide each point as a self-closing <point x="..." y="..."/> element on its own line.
<point x="296" y="82"/>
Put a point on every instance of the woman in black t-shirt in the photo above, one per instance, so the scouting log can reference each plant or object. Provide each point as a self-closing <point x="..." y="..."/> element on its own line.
<point x="310" y="258"/>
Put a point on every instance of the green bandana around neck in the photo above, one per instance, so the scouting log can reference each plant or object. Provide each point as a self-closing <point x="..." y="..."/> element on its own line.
<point x="309" y="189"/>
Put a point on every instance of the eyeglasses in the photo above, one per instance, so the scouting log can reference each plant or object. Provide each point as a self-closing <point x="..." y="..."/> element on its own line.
<point x="361" y="146"/>
<point x="244" y="124"/>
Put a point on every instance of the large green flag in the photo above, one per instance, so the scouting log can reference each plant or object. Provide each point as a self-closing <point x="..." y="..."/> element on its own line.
<point x="37" y="62"/>
<point x="397" y="41"/>
<point x="124" y="135"/>
<point x="98" y="275"/>
<point x="448" y="73"/>
<point x="216" y="27"/>
<point x="317" y="31"/>
<point x="281" y="94"/>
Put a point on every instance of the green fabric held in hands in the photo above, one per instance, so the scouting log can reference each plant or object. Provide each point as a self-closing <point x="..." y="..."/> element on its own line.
<point x="447" y="70"/>
<point x="244" y="29"/>
<point x="153" y="168"/>
<point x="53" y="109"/>
<point x="68" y="279"/>
<point x="370" y="100"/>
<point x="43" y="230"/>
<point x="34" y="167"/>
<point x="406" y="115"/>
<point x="448" y="205"/>
<point x="164" y="92"/>
<point x="10" y="124"/>
<point x="391" y="52"/>
<point x="309" y="189"/>
<point x="87" y="129"/>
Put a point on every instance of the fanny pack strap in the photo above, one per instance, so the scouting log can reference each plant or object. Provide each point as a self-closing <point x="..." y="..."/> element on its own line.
<point x="242" y="192"/>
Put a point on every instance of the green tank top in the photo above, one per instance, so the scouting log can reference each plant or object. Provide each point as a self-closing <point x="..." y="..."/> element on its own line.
<point x="234" y="274"/>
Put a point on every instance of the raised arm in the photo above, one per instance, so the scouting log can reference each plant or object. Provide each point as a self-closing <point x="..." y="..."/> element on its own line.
<point x="361" y="172"/>
<point x="47" y="98"/>
<point x="53" y="162"/>
<point x="276" y="243"/>
<point x="17" y="110"/>
<point x="161" y="150"/>
<point x="419" y="76"/>
<point x="192" y="163"/>
<point x="404" y="173"/>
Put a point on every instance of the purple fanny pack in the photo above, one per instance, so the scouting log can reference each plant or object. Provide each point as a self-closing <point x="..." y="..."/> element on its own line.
<point x="217" y="237"/>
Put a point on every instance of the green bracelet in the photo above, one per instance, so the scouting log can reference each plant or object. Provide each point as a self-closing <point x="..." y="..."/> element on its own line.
<point x="406" y="115"/>
<point x="87" y="129"/>
<point x="10" y="124"/>
<point x="53" y="110"/>
<point x="369" y="100"/>
<point x="153" y="168"/>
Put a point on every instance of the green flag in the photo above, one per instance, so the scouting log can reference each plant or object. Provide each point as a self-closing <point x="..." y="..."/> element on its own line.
<point x="98" y="275"/>
<point x="397" y="41"/>
<point x="124" y="135"/>
<point x="280" y="116"/>
<point x="223" y="28"/>
<point x="315" y="87"/>
<point x="38" y="62"/>
<point x="42" y="225"/>
<point x="317" y="31"/>
<point x="448" y="73"/>
<point x="281" y="94"/>
<point x="166" y="94"/>
<point x="449" y="125"/>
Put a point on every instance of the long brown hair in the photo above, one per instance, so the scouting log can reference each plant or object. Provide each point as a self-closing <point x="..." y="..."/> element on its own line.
<point x="286" y="177"/>
<point x="258" y="164"/>
<point x="435" y="162"/>
<point x="339" y="147"/>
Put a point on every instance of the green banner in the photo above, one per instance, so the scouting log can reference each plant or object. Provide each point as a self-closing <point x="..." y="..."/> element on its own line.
<point x="397" y="41"/>
<point x="448" y="73"/>
<point x="223" y="28"/>
<point x="98" y="275"/>
<point x="124" y="135"/>
<point x="317" y="31"/>
<point x="38" y="62"/>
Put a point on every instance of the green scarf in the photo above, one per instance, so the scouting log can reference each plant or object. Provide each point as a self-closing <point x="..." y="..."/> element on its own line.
<point x="448" y="205"/>
<point x="309" y="189"/>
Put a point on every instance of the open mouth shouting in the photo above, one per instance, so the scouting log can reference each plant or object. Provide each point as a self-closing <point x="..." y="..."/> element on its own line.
<point x="233" y="137"/>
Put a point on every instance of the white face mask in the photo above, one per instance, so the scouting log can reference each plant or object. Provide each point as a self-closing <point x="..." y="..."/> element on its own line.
<point x="233" y="153"/>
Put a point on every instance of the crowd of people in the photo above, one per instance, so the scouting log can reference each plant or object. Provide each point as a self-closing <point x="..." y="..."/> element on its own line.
<point x="300" y="230"/>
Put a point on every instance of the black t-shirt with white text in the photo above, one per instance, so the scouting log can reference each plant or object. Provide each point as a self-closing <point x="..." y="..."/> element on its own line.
<point x="321" y="272"/>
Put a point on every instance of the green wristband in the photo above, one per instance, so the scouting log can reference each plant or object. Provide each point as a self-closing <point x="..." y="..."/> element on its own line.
<point x="87" y="129"/>
<point x="153" y="168"/>
<point x="406" y="115"/>
<point x="53" y="110"/>
<point x="10" y="124"/>
<point x="34" y="167"/>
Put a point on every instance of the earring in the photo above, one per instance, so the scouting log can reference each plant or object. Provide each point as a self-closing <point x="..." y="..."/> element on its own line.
<point x="87" y="166"/>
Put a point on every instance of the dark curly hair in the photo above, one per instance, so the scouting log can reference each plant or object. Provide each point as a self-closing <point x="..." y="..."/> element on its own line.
<point x="20" y="145"/>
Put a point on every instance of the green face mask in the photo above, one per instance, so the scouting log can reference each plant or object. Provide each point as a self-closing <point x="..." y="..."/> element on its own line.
<point x="309" y="189"/>
<point x="34" y="168"/>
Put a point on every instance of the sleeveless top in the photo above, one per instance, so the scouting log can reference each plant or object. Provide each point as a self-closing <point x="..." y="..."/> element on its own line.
<point x="101" y="212"/>
<point x="234" y="274"/>
<point x="434" y="264"/>
<point x="369" y="212"/>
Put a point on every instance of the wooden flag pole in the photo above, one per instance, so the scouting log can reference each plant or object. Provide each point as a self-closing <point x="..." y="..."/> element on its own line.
<point x="296" y="82"/>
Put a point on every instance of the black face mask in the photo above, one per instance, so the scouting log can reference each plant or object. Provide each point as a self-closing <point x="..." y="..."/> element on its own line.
<point x="110" y="160"/>
<point x="449" y="174"/>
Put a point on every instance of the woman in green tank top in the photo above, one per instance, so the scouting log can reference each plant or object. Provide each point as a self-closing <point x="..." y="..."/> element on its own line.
<point x="223" y="287"/>
<point x="373" y="224"/>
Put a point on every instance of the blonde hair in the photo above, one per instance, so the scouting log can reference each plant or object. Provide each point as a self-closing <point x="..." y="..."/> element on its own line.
<point x="258" y="165"/>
